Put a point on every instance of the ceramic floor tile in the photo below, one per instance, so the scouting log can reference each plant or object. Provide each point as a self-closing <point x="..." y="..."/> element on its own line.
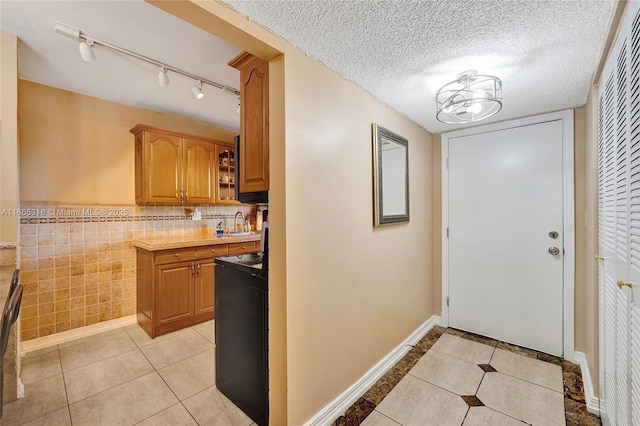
<point x="91" y="379"/>
<point x="529" y="369"/>
<point x="83" y="340"/>
<point x="141" y="338"/>
<point x="452" y="374"/>
<point x="40" y="367"/>
<point x="190" y="376"/>
<point x="176" y="348"/>
<point x="40" y="398"/>
<point x="175" y="415"/>
<point x="126" y="404"/>
<point x="416" y="402"/>
<point x="206" y="329"/>
<point x="212" y="408"/>
<point x="57" y="418"/>
<point x="378" y="419"/>
<point x="39" y="352"/>
<point x="522" y="400"/>
<point x="467" y="350"/>
<point x="484" y="416"/>
<point x="95" y="349"/>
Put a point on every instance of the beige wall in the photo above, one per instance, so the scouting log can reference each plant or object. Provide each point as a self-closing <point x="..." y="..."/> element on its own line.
<point x="78" y="149"/>
<point x="590" y="345"/>
<point x="436" y="275"/>
<point x="354" y="292"/>
<point x="346" y="293"/>
<point x="586" y="225"/>
<point x="8" y="137"/>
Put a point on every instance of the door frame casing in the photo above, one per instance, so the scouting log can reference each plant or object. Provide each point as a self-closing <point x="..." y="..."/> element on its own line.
<point x="568" y="212"/>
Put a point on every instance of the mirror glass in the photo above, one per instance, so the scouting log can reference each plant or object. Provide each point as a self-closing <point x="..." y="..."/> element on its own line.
<point x="391" y="177"/>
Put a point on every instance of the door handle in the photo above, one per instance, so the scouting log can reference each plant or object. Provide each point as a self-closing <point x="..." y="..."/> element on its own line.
<point x="621" y="284"/>
<point x="599" y="257"/>
<point x="554" y="251"/>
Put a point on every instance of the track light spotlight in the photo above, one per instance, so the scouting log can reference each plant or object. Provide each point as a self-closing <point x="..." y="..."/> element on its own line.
<point x="163" y="78"/>
<point x="86" y="51"/>
<point x="197" y="90"/>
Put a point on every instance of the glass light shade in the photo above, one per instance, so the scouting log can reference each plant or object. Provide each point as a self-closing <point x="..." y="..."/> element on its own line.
<point x="471" y="97"/>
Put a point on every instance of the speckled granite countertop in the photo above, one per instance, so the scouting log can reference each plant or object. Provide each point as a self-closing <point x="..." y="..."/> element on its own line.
<point x="153" y="244"/>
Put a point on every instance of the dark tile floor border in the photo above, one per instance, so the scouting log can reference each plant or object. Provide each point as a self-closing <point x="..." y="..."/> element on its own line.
<point x="574" y="401"/>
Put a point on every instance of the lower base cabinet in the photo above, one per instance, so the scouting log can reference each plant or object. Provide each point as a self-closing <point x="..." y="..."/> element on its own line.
<point x="175" y="287"/>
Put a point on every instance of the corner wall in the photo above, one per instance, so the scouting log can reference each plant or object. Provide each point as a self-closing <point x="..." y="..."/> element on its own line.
<point x="9" y="197"/>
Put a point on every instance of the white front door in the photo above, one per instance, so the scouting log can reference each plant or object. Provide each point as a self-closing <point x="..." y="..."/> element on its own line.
<point x="506" y="236"/>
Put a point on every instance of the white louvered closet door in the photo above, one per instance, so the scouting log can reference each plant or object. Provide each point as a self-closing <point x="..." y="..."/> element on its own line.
<point x="619" y="226"/>
<point x="634" y="212"/>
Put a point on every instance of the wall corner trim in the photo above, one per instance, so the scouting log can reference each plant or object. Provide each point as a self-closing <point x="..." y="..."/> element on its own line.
<point x="76" y="333"/>
<point x="593" y="403"/>
<point x="338" y="406"/>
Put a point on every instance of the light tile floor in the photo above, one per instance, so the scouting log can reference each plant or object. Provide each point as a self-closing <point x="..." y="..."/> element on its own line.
<point x="123" y="377"/>
<point x="456" y="378"/>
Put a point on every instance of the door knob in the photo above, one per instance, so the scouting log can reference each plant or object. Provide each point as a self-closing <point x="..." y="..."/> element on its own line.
<point x="554" y="250"/>
<point x="624" y="284"/>
<point x="599" y="257"/>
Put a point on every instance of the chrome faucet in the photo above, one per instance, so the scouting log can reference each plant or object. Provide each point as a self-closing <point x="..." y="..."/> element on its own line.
<point x="235" y="220"/>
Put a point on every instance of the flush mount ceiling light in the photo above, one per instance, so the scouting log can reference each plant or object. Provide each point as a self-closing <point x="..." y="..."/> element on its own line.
<point x="470" y="97"/>
<point x="197" y="91"/>
<point x="86" y="51"/>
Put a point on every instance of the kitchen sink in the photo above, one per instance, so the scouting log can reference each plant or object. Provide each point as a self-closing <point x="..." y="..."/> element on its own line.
<point x="238" y="233"/>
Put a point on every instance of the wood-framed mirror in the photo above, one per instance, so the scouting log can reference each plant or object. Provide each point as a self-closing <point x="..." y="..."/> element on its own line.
<point x="390" y="177"/>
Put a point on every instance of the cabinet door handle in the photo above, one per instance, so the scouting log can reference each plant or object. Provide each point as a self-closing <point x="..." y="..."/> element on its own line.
<point x="193" y="269"/>
<point x="186" y="195"/>
<point x="177" y="254"/>
<point x="198" y="271"/>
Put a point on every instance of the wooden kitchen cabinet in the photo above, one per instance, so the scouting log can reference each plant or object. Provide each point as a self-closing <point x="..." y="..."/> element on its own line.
<point x="175" y="292"/>
<point x="254" y="122"/>
<point x="175" y="168"/>
<point x="226" y="169"/>
<point x="204" y="287"/>
<point x="175" y="287"/>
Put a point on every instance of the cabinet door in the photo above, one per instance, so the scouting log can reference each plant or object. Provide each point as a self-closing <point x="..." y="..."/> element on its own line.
<point x="199" y="171"/>
<point x="226" y="175"/>
<point x="254" y="123"/>
<point x="204" y="288"/>
<point x="175" y="294"/>
<point x="163" y="168"/>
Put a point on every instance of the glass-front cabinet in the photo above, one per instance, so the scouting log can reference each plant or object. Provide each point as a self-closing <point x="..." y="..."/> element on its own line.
<point x="226" y="184"/>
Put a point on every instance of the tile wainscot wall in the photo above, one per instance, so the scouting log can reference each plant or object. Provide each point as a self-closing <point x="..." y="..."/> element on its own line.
<point x="78" y="262"/>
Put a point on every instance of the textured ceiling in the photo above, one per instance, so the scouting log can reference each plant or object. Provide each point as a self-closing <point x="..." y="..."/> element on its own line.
<point x="52" y="59"/>
<point x="403" y="51"/>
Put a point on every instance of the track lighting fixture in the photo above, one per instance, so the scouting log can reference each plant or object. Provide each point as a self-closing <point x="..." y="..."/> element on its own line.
<point x="197" y="90"/>
<point x="88" y="55"/>
<point x="163" y="78"/>
<point x="86" y="50"/>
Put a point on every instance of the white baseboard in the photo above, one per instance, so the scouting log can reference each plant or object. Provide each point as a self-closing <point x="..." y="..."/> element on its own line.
<point x="76" y="333"/>
<point x="338" y="406"/>
<point x="593" y="403"/>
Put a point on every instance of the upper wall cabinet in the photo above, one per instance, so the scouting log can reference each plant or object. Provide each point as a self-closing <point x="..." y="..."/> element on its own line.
<point x="254" y="122"/>
<point x="174" y="168"/>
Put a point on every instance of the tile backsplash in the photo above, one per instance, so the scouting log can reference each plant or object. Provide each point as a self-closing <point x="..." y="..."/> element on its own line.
<point x="78" y="263"/>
